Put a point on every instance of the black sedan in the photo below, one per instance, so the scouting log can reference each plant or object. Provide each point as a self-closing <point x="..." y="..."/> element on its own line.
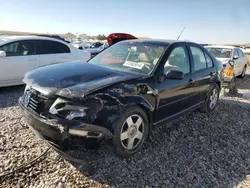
<point x="121" y="93"/>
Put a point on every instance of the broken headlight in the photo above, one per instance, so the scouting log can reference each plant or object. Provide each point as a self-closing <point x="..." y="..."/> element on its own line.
<point x="66" y="109"/>
<point x="228" y="70"/>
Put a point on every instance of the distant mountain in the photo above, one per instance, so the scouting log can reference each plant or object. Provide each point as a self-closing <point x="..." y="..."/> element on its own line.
<point x="67" y="35"/>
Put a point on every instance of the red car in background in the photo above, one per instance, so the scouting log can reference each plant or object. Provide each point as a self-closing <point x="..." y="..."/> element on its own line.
<point x="117" y="37"/>
<point x="111" y="39"/>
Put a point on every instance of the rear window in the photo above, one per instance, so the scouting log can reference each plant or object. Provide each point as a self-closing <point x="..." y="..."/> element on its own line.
<point x="52" y="47"/>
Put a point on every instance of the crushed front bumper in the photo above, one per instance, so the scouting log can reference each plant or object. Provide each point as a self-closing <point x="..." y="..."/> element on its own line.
<point x="227" y="81"/>
<point x="63" y="133"/>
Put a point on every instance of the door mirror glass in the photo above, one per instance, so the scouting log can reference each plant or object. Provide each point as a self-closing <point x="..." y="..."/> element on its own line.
<point x="174" y="75"/>
<point x="2" y="54"/>
<point x="236" y="57"/>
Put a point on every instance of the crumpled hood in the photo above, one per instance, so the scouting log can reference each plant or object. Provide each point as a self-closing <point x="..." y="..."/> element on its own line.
<point x="73" y="79"/>
<point x="223" y="60"/>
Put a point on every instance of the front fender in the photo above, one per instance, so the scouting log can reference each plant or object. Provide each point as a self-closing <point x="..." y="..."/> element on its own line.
<point x="113" y="107"/>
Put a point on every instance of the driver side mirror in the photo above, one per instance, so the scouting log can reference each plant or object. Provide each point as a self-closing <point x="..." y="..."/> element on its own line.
<point x="174" y="75"/>
<point x="231" y="63"/>
<point x="2" y="54"/>
<point x="236" y="57"/>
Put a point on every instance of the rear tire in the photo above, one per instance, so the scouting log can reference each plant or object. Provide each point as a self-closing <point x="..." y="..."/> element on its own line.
<point x="212" y="100"/>
<point x="131" y="132"/>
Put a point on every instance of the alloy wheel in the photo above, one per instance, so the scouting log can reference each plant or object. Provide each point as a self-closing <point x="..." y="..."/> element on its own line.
<point x="213" y="98"/>
<point x="132" y="132"/>
<point x="243" y="72"/>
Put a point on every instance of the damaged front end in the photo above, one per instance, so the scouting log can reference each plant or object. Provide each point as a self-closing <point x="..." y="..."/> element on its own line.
<point x="228" y="76"/>
<point x="61" y="122"/>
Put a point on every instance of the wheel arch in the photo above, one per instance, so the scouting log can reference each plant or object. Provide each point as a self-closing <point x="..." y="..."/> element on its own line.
<point x="149" y="115"/>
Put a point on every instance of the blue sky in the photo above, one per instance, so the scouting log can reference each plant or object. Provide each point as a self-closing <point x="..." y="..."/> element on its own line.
<point x="208" y="21"/>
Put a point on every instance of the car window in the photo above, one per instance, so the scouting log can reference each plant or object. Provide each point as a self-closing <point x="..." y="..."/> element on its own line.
<point x="178" y="60"/>
<point x="52" y="47"/>
<point x="96" y="45"/>
<point x="240" y="53"/>
<point x="220" y="52"/>
<point x="199" y="58"/>
<point x="209" y="60"/>
<point x="235" y="53"/>
<point x="19" y="48"/>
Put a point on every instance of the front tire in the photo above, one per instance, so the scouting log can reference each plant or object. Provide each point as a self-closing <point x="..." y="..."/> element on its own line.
<point x="131" y="132"/>
<point x="243" y="74"/>
<point x="212" y="100"/>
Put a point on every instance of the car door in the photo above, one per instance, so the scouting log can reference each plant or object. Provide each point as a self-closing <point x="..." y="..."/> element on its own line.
<point x="237" y="62"/>
<point x="242" y="60"/>
<point x="53" y="52"/>
<point x="175" y="96"/>
<point x="20" y="57"/>
<point x="204" y="72"/>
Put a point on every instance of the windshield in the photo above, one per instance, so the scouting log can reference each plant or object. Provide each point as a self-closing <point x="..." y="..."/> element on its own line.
<point x="220" y="52"/>
<point x="132" y="57"/>
<point x="1" y="41"/>
<point x="96" y="45"/>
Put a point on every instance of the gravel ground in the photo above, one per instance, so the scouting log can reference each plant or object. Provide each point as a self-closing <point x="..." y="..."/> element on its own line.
<point x="197" y="150"/>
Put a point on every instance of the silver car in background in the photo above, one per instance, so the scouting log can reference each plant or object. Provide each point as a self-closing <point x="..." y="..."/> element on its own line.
<point x="227" y="54"/>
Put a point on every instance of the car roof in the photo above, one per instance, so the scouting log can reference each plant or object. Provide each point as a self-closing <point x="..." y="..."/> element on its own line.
<point x="221" y="46"/>
<point x="6" y="39"/>
<point x="156" y="41"/>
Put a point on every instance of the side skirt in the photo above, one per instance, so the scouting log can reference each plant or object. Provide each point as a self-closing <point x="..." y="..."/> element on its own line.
<point x="188" y="110"/>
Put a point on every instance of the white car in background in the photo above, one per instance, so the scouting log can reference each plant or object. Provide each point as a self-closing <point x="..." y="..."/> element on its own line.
<point x="81" y="45"/>
<point x="20" y="54"/>
<point x="230" y="53"/>
<point x="97" y="47"/>
<point x="247" y="49"/>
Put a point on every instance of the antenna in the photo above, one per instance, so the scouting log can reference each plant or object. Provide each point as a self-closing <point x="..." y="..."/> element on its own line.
<point x="181" y="33"/>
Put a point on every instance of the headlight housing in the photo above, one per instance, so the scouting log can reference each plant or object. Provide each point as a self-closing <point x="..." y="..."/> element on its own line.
<point x="66" y="109"/>
<point x="228" y="70"/>
<point x="26" y="87"/>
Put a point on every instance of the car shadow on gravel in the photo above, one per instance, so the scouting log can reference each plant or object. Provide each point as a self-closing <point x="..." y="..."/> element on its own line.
<point x="198" y="150"/>
<point x="243" y="83"/>
<point x="9" y="95"/>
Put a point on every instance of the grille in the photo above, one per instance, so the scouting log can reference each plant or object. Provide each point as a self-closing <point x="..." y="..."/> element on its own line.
<point x="33" y="104"/>
<point x="38" y="102"/>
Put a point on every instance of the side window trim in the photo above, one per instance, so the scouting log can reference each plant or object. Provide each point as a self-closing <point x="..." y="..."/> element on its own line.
<point x="189" y="59"/>
<point x="191" y="55"/>
<point x="184" y="46"/>
<point x="9" y="44"/>
<point x="21" y="42"/>
<point x="206" y="54"/>
<point x="240" y="53"/>
<point x="235" y="52"/>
